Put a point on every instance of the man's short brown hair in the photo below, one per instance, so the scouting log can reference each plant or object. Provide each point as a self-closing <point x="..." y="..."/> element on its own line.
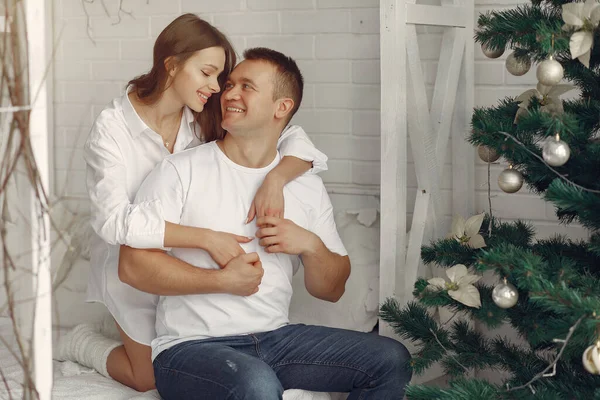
<point x="288" y="80"/>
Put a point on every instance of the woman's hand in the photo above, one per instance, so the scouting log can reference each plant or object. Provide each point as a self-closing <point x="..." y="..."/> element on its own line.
<point x="223" y="246"/>
<point x="268" y="200"/>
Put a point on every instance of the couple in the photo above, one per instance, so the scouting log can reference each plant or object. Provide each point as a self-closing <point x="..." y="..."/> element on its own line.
<point x="215" y="309"/>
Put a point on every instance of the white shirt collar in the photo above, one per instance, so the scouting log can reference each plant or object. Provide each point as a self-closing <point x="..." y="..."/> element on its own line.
<point x="132" y="119"/>
<point x="188" y="115"/>
<point x="136" y="125"/>
<point x="185" y="136"/>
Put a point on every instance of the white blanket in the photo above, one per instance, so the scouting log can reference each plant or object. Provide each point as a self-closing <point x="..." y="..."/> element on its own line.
<point x="74" y="382"/>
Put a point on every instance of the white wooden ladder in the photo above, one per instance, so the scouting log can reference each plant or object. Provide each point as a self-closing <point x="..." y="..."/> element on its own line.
<point x="406" y="112"/>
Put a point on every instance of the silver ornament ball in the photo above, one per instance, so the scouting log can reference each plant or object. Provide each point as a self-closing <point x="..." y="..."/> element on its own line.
<point x="489" y="53"/>
<point x="550" y="72"/>
<point x="517" y="66"/>
<point x="588" y="361"/>
<point x="505" y="295"/>
<point x="556" y="152"/>
<point x="510" y="180"/>
<point x="487" y="154"/>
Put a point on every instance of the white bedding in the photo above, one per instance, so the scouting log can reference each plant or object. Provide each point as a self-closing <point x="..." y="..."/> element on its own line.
<point x="74" y="382"/>
<point x="71" y="380"/>
<point x="359" y="231"/>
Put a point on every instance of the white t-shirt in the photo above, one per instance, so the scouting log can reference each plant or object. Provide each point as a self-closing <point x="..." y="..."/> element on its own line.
<point x="120" y="152"/>
<point x="202" y="187"/>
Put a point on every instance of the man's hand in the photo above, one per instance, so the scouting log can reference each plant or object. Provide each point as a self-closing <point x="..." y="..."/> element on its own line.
<point x="243" y="274"/>
<point x="268" y="199"/>
<point x="279" y="235"/>
<point x="223" y="246"/>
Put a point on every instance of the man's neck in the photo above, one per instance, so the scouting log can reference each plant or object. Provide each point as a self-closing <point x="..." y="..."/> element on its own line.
<point x="248" y="150"/>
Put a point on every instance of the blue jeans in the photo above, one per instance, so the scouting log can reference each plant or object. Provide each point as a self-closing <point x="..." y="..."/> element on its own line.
<point x="261" y="366"/>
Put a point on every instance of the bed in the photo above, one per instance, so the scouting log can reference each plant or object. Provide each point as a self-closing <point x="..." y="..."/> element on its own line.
<point x="75" y="382"/>
<point x="357" y="310"/>
<point x="71" y="381"/>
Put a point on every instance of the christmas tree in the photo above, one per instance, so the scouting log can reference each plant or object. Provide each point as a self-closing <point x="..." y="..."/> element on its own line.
<point x="548" y="290"/>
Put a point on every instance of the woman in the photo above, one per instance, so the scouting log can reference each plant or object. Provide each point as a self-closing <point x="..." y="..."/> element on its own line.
<point x="173" y="107"/>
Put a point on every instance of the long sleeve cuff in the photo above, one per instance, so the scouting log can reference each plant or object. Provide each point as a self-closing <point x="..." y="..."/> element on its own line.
<point x="303" y="149"/>
<point x="146" y="226"/>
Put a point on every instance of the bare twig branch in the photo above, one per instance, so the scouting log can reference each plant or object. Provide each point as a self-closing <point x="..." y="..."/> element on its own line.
<point x="6" y="385"/>
<point x="120" y="12"/>
<point x="449" y="352"/>
<point x="553" y="364"/>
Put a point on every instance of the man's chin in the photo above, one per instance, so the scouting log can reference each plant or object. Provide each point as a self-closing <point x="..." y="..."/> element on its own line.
<point x="227" y="127"/>
<point x="228" y="123"/>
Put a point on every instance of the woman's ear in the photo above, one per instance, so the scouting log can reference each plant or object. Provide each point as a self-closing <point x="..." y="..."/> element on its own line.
<point x="170" y="66"/>
<point x="284" y="107"/>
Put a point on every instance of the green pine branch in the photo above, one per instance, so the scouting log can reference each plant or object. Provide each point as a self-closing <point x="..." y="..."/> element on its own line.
<point x="558" y="279"/>
<point x="575" y="202"/>
<point x="520" y="29"/>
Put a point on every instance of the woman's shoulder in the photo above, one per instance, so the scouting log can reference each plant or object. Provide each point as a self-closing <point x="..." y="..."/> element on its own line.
<point x="111" y="114"/>
<point x="110" y="122"/>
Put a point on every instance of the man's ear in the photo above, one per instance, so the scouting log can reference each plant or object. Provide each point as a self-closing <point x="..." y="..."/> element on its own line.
<point x="284" y="107"/>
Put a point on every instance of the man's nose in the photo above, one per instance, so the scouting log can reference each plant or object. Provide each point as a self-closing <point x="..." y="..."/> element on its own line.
<point x="232" y="93"/>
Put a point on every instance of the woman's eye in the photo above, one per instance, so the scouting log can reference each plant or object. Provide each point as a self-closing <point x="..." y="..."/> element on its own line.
<point x="205" y="74"/>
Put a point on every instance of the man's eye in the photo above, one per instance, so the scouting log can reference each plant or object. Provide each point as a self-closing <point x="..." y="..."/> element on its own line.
<point x="228" y="86"/>
<point x="246" y="86"/>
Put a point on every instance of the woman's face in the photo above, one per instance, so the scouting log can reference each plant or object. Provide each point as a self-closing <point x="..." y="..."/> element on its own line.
<point x="196" y="80"/>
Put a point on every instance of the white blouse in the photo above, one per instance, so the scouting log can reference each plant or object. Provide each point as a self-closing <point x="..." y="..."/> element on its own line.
<point x="119" y="152"/>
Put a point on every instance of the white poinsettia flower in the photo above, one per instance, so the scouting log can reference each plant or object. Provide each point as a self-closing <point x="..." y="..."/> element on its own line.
<point x="582" y="18"/>
<point x="548" y="96"/>
<point x="467" y="232"/>
<point x="460" y="287"/>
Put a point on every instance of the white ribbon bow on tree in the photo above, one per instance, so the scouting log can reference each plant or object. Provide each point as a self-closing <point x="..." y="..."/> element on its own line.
<point x="548" y="96"/>
<point x="460" y="287"/>
<point x="582" y="19"/>
<point x="467" y="232"/>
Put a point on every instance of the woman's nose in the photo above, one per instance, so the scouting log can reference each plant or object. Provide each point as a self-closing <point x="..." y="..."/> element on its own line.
<point x="214" y="86"/>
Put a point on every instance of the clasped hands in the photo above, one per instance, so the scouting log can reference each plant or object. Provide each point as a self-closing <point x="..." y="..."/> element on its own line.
<point x="242" y="273"/>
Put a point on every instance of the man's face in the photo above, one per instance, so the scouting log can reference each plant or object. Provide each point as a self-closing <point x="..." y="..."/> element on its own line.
<point x="247" y="101"/>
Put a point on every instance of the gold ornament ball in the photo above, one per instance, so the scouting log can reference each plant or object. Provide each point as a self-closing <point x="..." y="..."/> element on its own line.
<point x="591" y="360"/>
<point x="510" y="180"/>
<point x="550" y="72"/>
<point x="489" y="53"/>
<point x="505" y="295"/>
<point x="517" y="66"/>
<point x="556" y="152"/>
<point x="487" y="154"/>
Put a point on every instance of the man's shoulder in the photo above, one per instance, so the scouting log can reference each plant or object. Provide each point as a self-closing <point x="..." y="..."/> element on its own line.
<point x="308" y="187"/>
<point x="200" y="156"/>
<point x="313" y="181"/>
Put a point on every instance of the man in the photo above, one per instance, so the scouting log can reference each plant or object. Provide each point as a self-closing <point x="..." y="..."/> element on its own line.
<point x="225" y="346"/>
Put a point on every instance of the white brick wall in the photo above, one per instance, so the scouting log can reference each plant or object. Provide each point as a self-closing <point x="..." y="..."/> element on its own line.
<point x="337" y="45"/>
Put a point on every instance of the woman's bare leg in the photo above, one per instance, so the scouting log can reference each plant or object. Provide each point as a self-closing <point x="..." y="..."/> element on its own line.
<point x="131" y="364"/>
